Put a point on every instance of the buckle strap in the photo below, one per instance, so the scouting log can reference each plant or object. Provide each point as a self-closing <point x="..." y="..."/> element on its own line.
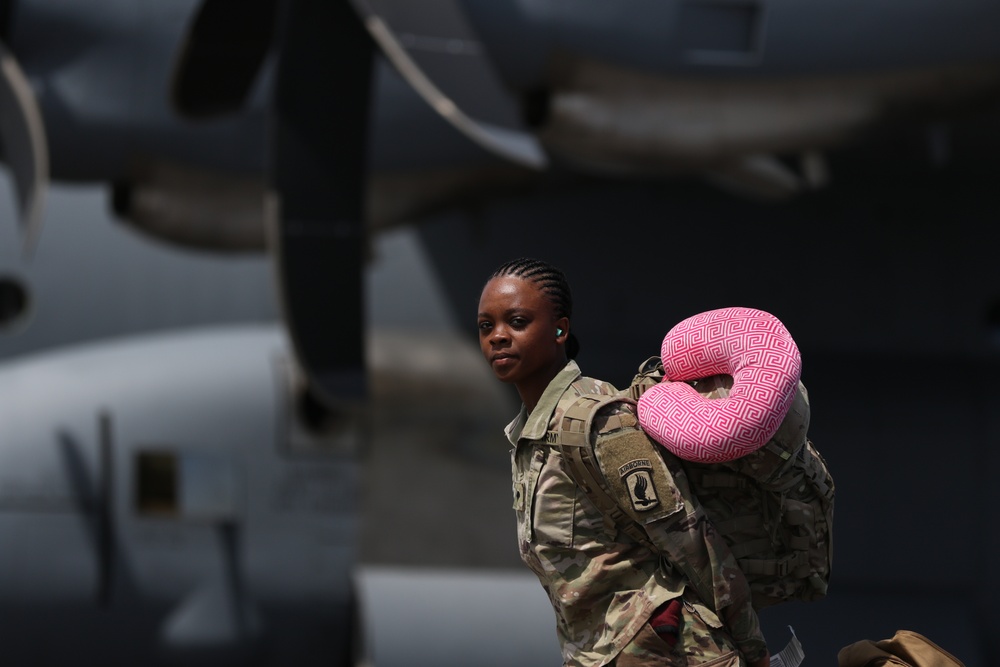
<point x="771" y="567"/>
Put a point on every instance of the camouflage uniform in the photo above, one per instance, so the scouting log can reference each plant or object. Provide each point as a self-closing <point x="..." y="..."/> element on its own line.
<point x="603" y="585"/>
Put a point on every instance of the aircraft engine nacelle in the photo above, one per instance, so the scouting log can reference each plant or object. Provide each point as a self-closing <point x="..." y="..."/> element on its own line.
<point x="100" y="71"/>
<point x="167" y="500"/>
<point x="99" y="78"/>
<point x="645" y="89"/>
<point x="98" y="75"/>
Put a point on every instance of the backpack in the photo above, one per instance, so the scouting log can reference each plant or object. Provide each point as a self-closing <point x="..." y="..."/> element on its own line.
<point x="773" y="507"/>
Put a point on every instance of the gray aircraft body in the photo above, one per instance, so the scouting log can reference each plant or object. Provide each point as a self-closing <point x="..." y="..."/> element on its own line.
<point x="749" y="93"/>
<point x="551" y="128"/>
<point x="169" y="495"/>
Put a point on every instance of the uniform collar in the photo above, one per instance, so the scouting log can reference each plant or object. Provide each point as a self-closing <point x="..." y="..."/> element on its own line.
<point x="533" y="426"/>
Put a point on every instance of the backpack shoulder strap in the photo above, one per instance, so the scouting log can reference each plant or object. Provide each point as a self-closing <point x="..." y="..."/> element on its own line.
<point x="619" y="469"/>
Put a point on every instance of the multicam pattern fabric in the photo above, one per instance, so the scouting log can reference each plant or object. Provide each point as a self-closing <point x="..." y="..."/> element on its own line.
<point x="602" y="584"/>
<point x="699" y="644"/>
<point x="777" y="504"/>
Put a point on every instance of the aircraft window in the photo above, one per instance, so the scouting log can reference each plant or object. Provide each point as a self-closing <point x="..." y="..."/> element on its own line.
<point x="13" y="300"/>
<point x="156" y="483"/>
<point x="188" y="485"/>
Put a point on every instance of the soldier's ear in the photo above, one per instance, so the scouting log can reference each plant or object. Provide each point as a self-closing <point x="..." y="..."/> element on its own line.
<point x="562" y="327"/>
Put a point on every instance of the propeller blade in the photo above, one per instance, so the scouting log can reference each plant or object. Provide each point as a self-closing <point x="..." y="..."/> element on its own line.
<point x="319" y="142"/>
<point x="511" y="143"/>
<point x="25" y="150"/>
<point x="222" y="55"/>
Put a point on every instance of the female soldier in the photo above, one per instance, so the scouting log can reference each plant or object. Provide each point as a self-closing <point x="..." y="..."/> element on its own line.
<point x="616" y="602"/>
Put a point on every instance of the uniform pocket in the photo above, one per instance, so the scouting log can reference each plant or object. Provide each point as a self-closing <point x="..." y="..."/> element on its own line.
<point x="553" y="504"/>
<point x="648" y="649"/>
<point x="703" y="641"/>
<point x="645" y="650"/>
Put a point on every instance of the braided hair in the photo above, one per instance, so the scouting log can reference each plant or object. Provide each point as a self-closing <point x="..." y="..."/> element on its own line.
<point x="553" y="284"/>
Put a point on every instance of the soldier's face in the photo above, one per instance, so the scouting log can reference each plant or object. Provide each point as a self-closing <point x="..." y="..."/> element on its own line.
<point x="517" y="333"/>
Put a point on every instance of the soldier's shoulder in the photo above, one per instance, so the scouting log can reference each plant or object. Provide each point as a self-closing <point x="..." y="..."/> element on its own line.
<point x="586" y="385"/>
<point x="609" y="418"/>
<point x="582" y="386"/>
<point x="616" y="416"/>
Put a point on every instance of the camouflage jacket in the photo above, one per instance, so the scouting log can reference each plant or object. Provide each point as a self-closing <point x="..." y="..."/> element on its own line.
<point x="604" y="585"/>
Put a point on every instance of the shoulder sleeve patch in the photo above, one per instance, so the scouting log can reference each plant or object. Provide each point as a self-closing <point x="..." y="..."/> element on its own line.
<point x="637" y="476"/>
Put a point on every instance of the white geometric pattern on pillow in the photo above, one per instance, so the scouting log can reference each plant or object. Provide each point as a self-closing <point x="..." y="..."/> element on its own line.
<point x="756" y="350"/>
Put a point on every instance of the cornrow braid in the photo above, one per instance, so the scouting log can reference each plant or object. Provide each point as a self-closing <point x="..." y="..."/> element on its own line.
<point x="553" y="284"/>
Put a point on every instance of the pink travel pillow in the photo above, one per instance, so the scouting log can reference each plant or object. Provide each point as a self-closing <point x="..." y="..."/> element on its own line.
<point x="756" y="350"/>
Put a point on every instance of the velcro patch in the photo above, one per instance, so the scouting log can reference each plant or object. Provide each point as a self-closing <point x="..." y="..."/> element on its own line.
<point x="634" y="469"/>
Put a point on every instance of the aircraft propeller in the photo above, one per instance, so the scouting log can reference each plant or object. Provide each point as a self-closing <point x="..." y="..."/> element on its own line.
<point x="319" y="139"/>
<point x="316" y="163"/>
<point x="221" y="58"/>
<point x="23" y="142"/>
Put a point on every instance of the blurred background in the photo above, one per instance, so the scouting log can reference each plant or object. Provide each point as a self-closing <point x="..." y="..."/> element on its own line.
<point x="243" y="416"/>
